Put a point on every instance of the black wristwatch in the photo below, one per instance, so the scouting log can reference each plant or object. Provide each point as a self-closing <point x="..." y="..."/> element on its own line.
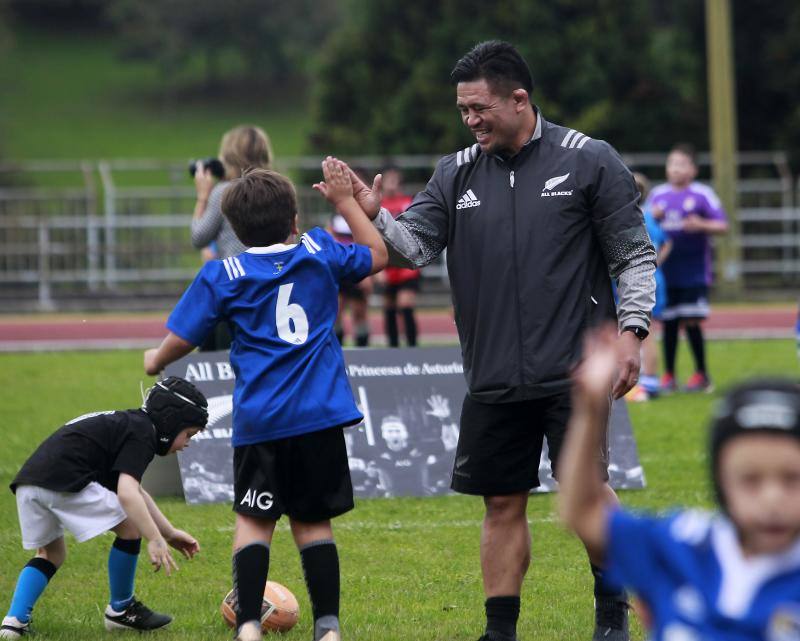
<point x="640" y="332"/>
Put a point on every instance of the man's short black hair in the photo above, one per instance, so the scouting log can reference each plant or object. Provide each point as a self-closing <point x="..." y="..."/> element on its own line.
<point x="497" y="62"/>
<point x="261" y="207"/>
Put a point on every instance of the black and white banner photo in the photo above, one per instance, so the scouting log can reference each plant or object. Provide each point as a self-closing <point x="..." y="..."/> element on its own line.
<point x="411" y="400"/>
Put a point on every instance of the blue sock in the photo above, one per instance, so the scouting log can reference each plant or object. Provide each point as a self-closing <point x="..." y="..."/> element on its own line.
<point x="31" y="583"/>
<point x="122" y="561"/>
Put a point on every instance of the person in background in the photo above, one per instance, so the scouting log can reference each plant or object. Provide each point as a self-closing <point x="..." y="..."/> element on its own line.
<point x="690" y="213"/>
<point x="400" y="283"/>
<point x="649" y="385"/>
<point x="243" y="147"/>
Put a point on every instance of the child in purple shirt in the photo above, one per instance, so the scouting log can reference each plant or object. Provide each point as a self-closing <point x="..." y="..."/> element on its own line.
<point x="689" y="213"/>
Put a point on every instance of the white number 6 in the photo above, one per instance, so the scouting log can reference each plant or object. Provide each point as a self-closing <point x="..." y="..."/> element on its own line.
<point x="285" y="312"/>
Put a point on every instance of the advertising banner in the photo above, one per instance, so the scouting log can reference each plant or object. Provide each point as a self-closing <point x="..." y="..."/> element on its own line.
<point x="411" y="400"/>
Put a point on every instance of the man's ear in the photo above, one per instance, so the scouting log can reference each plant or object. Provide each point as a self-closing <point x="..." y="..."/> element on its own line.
<point x="521" y="99"/>
<point x="294" y="226"/>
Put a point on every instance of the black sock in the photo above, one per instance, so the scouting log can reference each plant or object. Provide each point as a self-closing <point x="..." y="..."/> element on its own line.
<point x="670" y="344"/>
<point x="390" y="323"/>
<point x="502" y="613"/>
<point x="695" y="335"/>
<point x="602" y="587"/>
<point x="362" y="335"/>
<point x="410" y="325"/>
<point x="250" y="570"/>
<point x="320" y="561"/>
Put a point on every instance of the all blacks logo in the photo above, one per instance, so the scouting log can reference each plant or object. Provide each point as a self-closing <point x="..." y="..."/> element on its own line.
<point x="254" y="498"/>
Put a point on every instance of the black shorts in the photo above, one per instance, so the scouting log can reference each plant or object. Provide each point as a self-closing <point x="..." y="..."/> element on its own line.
<point x="352" y="291"/>
<point x="305" y="477"/>
<point x="500" y="444"/>
<point x="686" y="302"/>
<point x="410" y="285"/>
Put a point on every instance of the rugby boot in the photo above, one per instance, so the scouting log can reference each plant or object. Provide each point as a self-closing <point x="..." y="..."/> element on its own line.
<point x="13" y="628"/>
<point x="699" y="382"/>
<point x="611" y="619"/>
<point x="137" y="616"/>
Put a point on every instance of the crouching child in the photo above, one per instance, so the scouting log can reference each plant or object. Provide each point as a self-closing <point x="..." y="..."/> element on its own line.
<point x="86" y="478"/>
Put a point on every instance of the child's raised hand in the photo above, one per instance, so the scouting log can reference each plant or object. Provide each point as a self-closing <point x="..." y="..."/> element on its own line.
<point x="595" y="375"/>
<point x="184" y="542"/>
<point x="151" y="367"/>
<point x="337" y="185"/>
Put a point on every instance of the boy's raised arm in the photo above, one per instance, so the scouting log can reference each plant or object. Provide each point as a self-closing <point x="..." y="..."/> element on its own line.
<point x="582" y="503"/>
<point x="338" y="190"/>
<point x="171" y="349"/>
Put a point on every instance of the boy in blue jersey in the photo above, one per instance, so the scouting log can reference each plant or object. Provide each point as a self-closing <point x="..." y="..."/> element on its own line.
<point x="731" y="576"/>
<point x="291" y="398"/>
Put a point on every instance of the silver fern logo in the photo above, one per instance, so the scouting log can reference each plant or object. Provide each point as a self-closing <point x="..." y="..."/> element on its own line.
<point x="553" y="182"/>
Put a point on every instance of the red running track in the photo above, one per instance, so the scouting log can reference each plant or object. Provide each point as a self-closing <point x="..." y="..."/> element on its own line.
<point x="71" y="332"/>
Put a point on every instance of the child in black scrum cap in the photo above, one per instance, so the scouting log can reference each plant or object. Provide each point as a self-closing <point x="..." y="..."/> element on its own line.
<point x="86" y="478"/>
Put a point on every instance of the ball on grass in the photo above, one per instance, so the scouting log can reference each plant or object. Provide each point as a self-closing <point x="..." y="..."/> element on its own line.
<point x="279" y="609"/>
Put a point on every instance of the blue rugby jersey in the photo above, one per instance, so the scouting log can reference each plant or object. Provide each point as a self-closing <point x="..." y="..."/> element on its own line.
<point x="281" y="303"/>
<point x="690" y="570"/>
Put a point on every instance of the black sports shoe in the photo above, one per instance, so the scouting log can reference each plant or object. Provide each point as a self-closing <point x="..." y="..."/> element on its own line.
<point x="137" y="616"/>
<point x="611" y="619"/>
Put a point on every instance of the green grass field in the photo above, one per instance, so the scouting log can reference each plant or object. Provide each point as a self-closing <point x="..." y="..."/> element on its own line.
<point x="76" y="100"/>
<point x="409" y="566"/>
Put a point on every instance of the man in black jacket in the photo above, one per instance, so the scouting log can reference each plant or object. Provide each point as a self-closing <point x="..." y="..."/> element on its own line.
<point x="535" y="217"/>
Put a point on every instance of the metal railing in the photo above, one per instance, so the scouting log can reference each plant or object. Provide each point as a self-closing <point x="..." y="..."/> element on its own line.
<point x="117" y="232"/>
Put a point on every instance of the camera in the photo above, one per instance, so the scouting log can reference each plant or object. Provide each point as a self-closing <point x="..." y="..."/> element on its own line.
<point x="214" y="165"/>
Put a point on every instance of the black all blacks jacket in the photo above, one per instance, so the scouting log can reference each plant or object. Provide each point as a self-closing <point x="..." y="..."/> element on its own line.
<point x="533" y="243"/>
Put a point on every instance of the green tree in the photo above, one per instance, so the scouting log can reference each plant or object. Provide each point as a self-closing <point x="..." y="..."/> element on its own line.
<point x="270" y="39"/>
<point x="632" y="72"/>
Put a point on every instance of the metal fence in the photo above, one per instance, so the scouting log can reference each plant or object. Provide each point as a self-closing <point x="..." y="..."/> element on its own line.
<point x="115" y="234"/>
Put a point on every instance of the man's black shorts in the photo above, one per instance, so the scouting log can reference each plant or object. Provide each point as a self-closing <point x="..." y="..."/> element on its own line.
<point x="305" y="477"/>
<point x="500" y="444"/>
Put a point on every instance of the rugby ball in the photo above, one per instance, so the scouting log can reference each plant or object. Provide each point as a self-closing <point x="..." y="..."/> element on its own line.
<point x="279" y="609"/>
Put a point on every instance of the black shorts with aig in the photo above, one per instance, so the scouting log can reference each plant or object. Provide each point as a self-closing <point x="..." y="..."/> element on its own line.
<point x="500" y="444"/>
<point x="305" y="477"/>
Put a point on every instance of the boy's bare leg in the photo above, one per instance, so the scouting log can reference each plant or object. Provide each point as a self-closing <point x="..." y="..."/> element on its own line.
<point x="320" y="561"/>
<point x="251" y="541"/>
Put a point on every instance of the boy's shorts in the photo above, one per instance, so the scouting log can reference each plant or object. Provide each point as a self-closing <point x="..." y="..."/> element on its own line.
<point x="686" y="302"/>
<point x="306" y="477"/>
<point x="43" y="513"/>
<point x="500" y="444"/>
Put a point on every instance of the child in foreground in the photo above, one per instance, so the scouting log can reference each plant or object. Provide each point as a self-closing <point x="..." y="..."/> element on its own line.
<point x="730" y="575"/>
<point x="86" y="478"/>
<point x="291" y="398"/>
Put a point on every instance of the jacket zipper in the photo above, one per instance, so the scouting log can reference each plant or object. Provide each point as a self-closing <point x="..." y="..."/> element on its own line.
<point x="516" y="278"/>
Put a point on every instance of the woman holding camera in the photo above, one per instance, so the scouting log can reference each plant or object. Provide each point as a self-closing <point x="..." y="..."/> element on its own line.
<point x="241" y="148"/>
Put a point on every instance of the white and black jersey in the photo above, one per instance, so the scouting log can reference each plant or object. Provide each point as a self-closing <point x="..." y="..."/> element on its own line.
<point x="92" y="448"/>
<point x="531" y="241"/>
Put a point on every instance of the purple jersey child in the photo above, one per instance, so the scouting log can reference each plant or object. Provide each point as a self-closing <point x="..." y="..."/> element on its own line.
<point x="689" y="213"/>
<point x="689" y="264"/>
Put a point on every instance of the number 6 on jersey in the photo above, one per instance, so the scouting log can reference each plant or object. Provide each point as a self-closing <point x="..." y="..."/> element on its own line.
<point x="285" y="312"/>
